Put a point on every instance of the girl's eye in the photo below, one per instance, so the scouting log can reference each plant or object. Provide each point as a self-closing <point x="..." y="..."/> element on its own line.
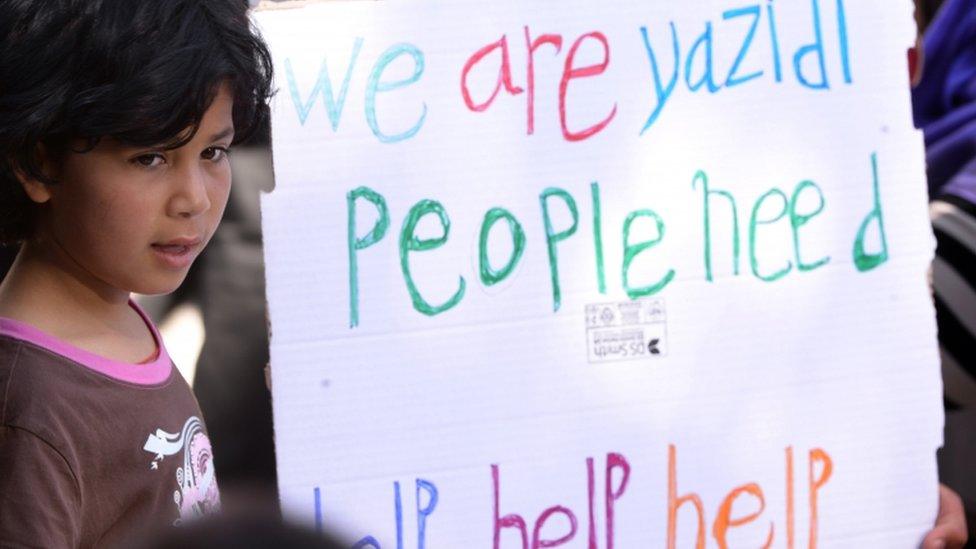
<point x="149" y="160"/>
<point x="214" y="154"/>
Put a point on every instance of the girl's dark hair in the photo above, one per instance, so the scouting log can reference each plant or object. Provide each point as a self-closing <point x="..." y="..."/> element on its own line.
<point x="140" y="71"/>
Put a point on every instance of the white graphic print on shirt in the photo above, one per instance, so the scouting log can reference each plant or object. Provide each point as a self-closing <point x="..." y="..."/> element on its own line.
<point x="196" y="494"/>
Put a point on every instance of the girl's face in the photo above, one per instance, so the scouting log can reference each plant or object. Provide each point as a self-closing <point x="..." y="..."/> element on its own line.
<point x="134" y="219"/>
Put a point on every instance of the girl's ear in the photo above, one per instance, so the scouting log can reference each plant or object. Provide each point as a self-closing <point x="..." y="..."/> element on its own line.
<point x="38" y="191"/>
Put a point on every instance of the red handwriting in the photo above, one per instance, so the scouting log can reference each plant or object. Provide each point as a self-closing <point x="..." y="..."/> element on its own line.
<point x="570" y="72"/>
<point x="480" y="60"/>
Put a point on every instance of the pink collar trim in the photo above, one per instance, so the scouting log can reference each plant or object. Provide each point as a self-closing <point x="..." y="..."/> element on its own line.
<point x="148" y="373"/>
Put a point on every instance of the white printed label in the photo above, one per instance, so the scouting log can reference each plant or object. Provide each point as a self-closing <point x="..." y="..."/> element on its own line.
<point x="629" y="330"/>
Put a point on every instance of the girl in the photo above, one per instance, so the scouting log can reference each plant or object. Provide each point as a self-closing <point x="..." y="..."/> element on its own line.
<point x="116" y="117"/>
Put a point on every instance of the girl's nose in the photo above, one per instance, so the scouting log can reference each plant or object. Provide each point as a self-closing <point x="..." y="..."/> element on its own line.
<point x="191" y="197"/>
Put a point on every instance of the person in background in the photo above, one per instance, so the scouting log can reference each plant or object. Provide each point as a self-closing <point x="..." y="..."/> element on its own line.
<point x="944" y="98"/>
<point x="945" y="108"/>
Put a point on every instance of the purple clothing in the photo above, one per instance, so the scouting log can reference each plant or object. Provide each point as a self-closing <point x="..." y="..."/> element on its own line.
<point x="945" y="101"/>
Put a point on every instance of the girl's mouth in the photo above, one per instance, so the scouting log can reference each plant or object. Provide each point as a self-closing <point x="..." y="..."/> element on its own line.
<point x="177" y="254"/>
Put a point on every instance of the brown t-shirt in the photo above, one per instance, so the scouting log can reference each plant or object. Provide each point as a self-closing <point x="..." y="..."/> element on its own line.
<point x="95" y="452"/>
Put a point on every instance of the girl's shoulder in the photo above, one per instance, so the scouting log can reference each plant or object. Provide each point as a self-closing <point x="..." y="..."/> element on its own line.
<point x="52" y="390"/>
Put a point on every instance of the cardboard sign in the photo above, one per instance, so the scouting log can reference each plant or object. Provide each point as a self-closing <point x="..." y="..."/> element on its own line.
<point x="601" y="274"/>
